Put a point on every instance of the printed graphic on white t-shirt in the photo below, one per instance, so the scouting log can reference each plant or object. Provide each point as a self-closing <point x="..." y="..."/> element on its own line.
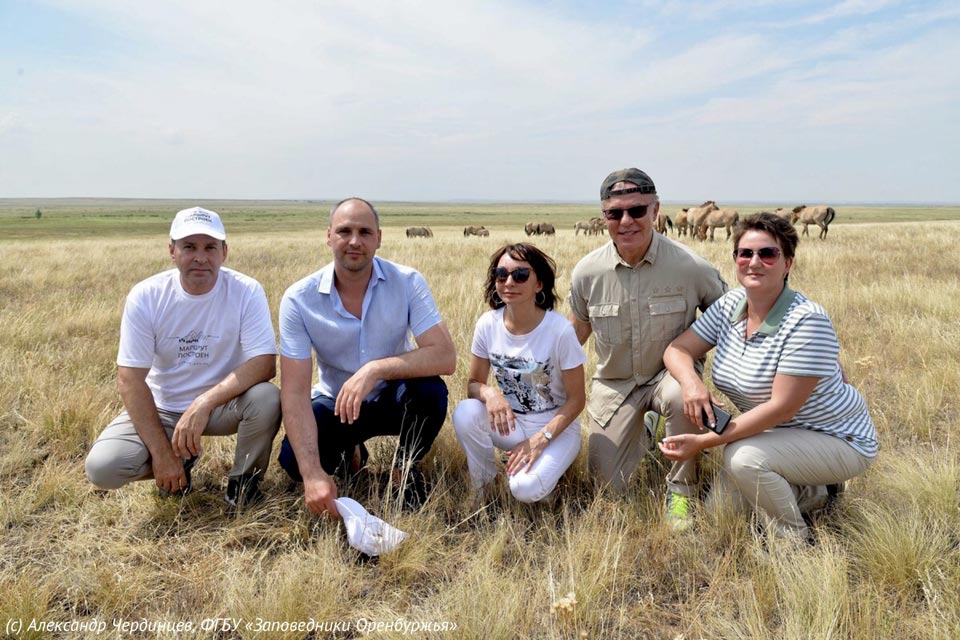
<point x="525" y="382"/>
<point x="194" y="348"/>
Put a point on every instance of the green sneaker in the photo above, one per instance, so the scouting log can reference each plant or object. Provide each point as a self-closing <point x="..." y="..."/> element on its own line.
<point x="678" y="511"/>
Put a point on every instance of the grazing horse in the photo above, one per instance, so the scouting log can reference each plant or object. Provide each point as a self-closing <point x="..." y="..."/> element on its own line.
<point x="682" y="221"/>
<point x="474" y="231"/>
<point x="725" y="218"/>
<point x="585" y="225"/>
<point x="419" y="232"/>
<point x="664" y="223"/>
<point x="785" y="214"/>
<point x="821" y="216"/>
<point x="598" y="226"/>
<point x="697" y="215"/>
<point x="539" y="229"/>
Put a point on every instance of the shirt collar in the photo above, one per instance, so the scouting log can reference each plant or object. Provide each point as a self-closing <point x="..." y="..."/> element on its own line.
<point x="772" y="322"/>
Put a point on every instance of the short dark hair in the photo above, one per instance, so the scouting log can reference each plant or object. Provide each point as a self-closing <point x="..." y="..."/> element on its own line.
<point x="781" y="230"/>
<point x="376" y="216"/>
<point x="543" y="265"/>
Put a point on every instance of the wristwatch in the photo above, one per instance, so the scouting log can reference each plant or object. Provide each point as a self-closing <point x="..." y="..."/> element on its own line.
<point x="546" y="434"/>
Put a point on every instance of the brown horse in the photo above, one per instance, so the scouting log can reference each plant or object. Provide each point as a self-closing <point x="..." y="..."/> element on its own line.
<point x="419" y="232"/>
<point x="682" y="223"/>
<point x="785" y="214"/>
<point x="583" y="225"/>
<point x="725" y="218"/>
<point x="664" y="224"/>
<point x="697" y="215"/>
<point x="821" y="216"/>
<point x="473" y="230"/>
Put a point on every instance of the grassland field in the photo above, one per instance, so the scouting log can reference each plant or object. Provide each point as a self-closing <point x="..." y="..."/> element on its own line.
<point x="77" y="217"/>
<point x="886" y="563"/>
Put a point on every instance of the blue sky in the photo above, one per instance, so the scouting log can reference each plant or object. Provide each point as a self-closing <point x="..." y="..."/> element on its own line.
<point x="774" y="101"/>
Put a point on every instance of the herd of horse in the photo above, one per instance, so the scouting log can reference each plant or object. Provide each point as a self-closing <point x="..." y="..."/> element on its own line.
<point x="708" y="217"/>
<point x="695" y="221"/>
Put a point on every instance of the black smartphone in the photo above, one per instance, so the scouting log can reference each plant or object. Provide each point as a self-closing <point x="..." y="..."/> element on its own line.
<point x="723" y="419"/>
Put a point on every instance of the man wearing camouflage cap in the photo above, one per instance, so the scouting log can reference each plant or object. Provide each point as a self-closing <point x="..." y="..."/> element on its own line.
<point x="635" y="294"/>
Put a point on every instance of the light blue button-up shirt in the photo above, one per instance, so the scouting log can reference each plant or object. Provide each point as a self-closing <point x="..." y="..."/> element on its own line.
<point x="397" y="307"/>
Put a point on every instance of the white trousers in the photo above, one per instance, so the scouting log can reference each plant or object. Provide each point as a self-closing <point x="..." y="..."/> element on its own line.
<point x="472" y="426"/>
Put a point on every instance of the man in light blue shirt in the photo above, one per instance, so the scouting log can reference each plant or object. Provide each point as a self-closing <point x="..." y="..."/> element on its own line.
<point x="380" y="345"/>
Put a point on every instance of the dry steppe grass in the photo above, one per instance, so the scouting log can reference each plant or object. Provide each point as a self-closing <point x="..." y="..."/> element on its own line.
<point x="887" y="564"/>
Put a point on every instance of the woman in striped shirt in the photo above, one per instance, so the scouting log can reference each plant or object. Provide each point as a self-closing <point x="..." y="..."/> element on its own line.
<point x="801" y="427"/>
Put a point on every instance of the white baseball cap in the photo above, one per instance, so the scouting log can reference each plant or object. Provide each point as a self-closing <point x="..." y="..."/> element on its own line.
<point x="366" y="532"/>
<point x="197" y="220"/>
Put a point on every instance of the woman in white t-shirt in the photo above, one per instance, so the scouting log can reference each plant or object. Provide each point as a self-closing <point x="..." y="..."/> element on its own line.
<point x="538" y="363"/>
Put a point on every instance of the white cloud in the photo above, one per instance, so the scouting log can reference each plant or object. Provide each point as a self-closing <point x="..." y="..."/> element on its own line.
<point x="443" y="100"/>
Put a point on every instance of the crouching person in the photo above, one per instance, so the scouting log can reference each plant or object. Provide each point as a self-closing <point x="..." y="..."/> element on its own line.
<point x="197" y="351"/>
<point x="538" y="363"/>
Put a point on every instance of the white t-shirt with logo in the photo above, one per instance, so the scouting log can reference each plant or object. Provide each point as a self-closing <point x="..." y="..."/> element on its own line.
<point x="529" y="368"/>
<point x="190" y="343"/>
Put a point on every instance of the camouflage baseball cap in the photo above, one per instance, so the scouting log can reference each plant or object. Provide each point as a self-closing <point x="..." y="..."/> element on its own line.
<point x="637" y="177"/>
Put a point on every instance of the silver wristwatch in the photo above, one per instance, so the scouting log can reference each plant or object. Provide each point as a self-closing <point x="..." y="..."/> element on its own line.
<point x="546" y="434"/>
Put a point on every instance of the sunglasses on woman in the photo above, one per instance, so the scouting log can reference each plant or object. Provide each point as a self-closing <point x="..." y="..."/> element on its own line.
<point x="767" y="255"/>
<point x="519" y="275"/>
<point x="636" y="212"/>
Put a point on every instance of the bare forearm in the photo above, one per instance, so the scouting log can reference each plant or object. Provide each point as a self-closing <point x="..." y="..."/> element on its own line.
<point x="680" y="364"/>
<point x="301" y="429"/>
<point x="573" y="383"/>
<point x="422" y="362"/>
<point x="138" y="401"/>
<point x="481" y="391"/>
<point x="254" y="371"/>
<point x="565" y="415"/>
<point x="757" y="420"/>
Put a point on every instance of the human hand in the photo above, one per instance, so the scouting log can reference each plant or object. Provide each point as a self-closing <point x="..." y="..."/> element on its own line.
<point x="522" y="456"/>
<point x="319" y="495"/>
<point x="168" y="472"/>
<point x="501" y="415"/>
<point x="186" y="441"/>
<point x="680" y="447"/>
<point x="696" y="400"/>
<point x="352" y="393"/>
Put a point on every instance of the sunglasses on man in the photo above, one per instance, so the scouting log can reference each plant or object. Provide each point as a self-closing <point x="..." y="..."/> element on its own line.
<point x="519" y="275"/>
<point x="636" y="212"/>
<point x="767" y="255"/>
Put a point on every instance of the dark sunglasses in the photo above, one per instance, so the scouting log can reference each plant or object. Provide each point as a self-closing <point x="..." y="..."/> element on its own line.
<point x="519" y="275"/>
<point x="636" y="212"/>
<point x="767" y="255"/>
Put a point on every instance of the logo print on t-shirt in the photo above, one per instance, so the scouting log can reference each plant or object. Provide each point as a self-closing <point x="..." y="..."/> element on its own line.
<point x="524" y="382"/>
<point x="194" y="348"/>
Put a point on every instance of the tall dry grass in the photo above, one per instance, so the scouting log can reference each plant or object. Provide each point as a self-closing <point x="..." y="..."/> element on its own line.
<point x="887" y="563"/>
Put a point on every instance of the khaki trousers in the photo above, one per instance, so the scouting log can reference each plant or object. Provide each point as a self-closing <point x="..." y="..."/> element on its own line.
<point x="616" y="451"/>
<point x="118" y="456"/>
<point x="780" y="473"/>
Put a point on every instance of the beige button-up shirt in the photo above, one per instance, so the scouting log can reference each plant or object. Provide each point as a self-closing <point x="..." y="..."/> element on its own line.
<point x="635" y="312"/>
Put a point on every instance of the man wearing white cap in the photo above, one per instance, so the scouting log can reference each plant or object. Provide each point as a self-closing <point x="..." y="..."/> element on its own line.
<point x="197" y="351"/>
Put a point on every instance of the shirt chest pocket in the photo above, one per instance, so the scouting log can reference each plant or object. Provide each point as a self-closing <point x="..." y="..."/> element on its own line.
<point x="605" y="320"/>
<point x="668" y="317"/>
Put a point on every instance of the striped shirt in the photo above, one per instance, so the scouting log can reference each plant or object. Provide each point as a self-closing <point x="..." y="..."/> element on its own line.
<point x="797" y="339"/>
